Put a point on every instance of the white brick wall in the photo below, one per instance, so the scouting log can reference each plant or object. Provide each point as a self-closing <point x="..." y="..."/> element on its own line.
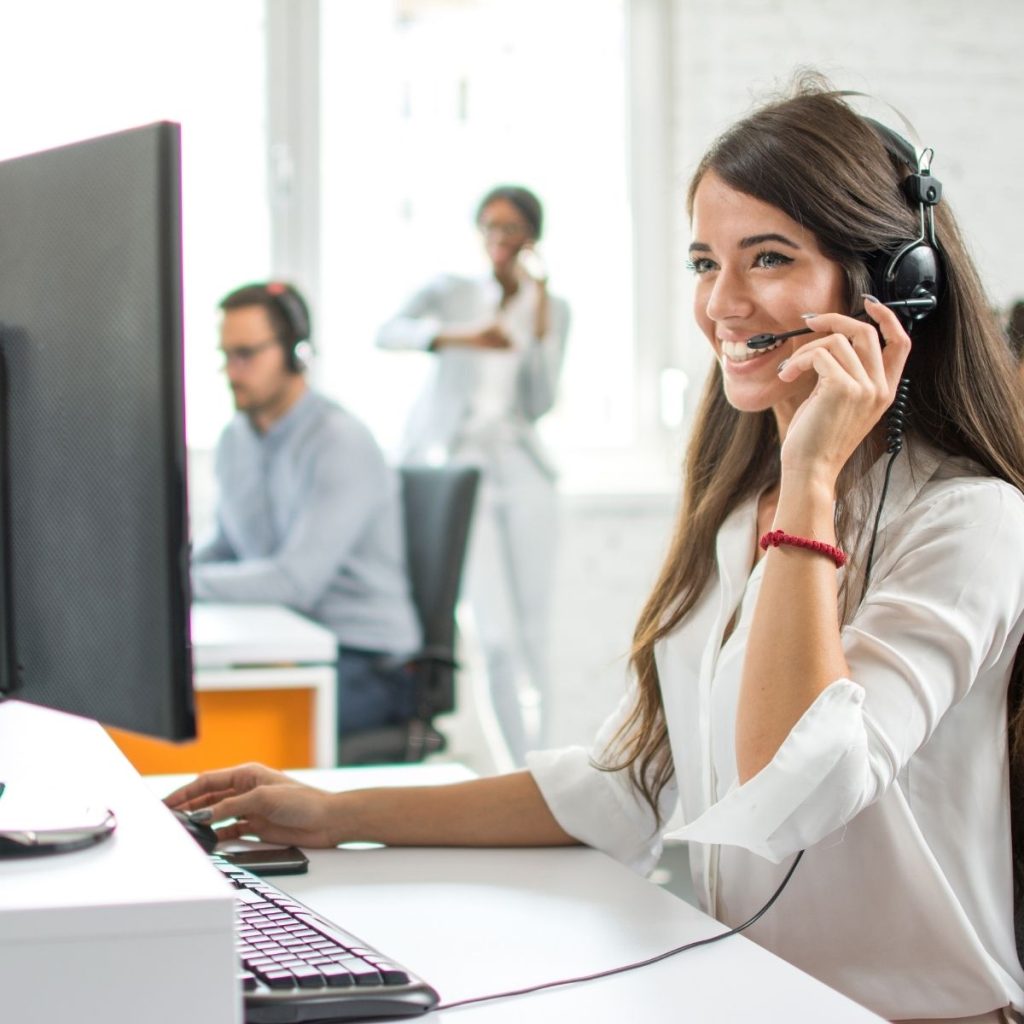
<point x="610" y="553"/>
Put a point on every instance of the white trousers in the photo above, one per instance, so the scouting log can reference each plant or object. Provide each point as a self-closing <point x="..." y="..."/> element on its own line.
<point x="508" y="581"/>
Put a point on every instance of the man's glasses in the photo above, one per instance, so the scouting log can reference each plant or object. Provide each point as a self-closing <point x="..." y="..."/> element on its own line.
<point x="245" y="354"/>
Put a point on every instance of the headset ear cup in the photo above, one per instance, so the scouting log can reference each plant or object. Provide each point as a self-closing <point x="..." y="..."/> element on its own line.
<point x="913" y="272"/>
<point x="299" y="356"/>
<point x="296" y="315"/>
<point x="295" y="310"/>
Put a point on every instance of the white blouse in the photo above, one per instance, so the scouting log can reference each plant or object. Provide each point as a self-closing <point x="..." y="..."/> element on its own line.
<point x="894" y="780"/>
<point x="479" y="396"/>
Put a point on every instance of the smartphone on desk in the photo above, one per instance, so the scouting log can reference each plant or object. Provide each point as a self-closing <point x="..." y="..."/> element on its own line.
<point x="288" y="860"/>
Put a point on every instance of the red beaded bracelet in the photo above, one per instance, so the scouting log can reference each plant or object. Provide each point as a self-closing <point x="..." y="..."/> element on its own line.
<point x="773" y="538"/>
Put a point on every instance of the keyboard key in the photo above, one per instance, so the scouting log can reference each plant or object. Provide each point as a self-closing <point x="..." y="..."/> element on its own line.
<point x="337" y="977"/>
<point x="308" y="977"/>
<point x="365" y="974"/>
<point x="279" y="979"/>
<point x="391" y="974"/>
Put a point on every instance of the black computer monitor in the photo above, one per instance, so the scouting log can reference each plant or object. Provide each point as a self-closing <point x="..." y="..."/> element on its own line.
<point x="93" y="509"/>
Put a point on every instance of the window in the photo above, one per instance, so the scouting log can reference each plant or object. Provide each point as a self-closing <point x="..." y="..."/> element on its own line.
<point x="73" y="70"/>
<point x="425" y="105"/>
<point x="422" y="105"/>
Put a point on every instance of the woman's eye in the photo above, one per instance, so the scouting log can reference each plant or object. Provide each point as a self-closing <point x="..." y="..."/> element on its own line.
<point x="769" y="259"/>
<point x="700" y="265"/>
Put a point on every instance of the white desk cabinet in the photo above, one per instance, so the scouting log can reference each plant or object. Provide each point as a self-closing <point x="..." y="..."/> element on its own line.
<point x="136" y="929"/>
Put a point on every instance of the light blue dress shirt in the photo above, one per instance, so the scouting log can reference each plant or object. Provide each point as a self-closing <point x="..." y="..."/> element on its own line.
<point x="309" y="515"/>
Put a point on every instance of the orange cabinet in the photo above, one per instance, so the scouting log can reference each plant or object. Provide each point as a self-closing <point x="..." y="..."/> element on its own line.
<point x="272" y="726"/>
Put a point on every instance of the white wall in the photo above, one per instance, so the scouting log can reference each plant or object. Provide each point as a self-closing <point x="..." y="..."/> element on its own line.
<point x="611" y="548"/>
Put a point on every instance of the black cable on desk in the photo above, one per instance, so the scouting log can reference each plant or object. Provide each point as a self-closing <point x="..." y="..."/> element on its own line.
<point x="630" y="967"/>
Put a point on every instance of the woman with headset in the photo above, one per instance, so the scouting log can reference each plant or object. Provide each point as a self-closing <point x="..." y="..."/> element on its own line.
<point x="828" y="671"/>
<point x="498" y="342"/>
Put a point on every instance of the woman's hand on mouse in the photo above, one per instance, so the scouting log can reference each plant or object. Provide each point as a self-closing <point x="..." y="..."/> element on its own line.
<point x="258" y="801"/>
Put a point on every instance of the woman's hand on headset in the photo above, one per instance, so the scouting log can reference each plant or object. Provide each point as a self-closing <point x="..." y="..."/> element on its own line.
<point x="858" y="366"/>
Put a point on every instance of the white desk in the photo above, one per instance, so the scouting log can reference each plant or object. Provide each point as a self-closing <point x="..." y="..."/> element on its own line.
<point x="269" y="647"/>
<point x="485" y="921"/>
<point x="472" y="922"/>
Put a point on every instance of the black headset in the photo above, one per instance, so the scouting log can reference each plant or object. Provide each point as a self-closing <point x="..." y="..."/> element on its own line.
<point x="295" y="313"/>
<point x="909" y="279"/>
<point x="912" y="274"/>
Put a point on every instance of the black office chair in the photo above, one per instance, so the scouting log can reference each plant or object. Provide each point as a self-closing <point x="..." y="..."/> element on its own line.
<point x="438" y="508"/>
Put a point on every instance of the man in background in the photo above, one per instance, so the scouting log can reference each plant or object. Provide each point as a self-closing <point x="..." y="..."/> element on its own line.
<point x="309" y="513"/>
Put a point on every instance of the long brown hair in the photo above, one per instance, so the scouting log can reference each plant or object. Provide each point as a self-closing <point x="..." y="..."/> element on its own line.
<point x="815" y="159"/>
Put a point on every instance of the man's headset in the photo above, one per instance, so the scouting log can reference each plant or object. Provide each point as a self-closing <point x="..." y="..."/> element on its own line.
<point x="295" y="313"/>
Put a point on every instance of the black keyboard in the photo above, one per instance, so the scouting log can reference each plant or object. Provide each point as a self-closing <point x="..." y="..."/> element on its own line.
<point x="298" y="966"/>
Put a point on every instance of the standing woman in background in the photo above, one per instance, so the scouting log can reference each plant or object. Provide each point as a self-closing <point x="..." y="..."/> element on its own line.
<point x="499" y="340"/>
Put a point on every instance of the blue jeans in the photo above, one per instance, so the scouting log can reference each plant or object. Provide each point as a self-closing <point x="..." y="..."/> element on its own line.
<point x="372" y="691"/>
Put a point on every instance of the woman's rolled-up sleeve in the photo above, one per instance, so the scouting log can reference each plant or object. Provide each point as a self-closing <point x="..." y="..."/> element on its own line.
<point x="820" y="774"/>
<point x="601" y="808"/>
<point x="419" y="320"/>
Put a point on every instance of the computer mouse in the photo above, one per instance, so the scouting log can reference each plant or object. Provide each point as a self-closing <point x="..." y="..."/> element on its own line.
<point x="202" y="834"/>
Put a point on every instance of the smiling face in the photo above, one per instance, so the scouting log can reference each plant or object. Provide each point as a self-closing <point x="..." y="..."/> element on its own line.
<point x="757" y="272"/>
